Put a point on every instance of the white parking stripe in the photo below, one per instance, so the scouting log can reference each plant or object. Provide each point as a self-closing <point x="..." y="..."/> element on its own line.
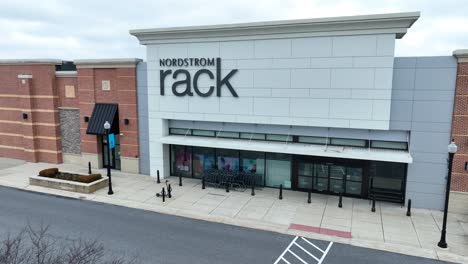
<point x="286" y="250"/>
<point x="319" y="249"/>
<point x="297" y="256"/>
<point x="282" y="257"/>
<point x="325" y="253"/>
<point x="296" y="244"/>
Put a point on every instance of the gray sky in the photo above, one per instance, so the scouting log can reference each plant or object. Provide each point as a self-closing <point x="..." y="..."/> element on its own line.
<point x="72" y="29"/>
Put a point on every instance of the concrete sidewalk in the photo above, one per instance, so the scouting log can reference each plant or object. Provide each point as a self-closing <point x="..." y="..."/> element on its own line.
<point x="387" y="229"/>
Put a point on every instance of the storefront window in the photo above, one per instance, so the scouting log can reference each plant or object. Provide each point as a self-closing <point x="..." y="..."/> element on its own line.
<point x="349" y="142"/>
<point x="313" y="140"/>
<point x="387" y="175"/>
<point x="203" y="161"/>
<point x="179" y="131"/>
<point x="285" y="138"/>
<point x="278" y="170"/>
<point x="181" y="160"/>
<point x="203" y="133"/>
<point x="389" y="145"/>
<point x="227" y="134"/>
<point x="255" y="136"/>
<point x="253" y="162"/>
<point x="227" y="159"/>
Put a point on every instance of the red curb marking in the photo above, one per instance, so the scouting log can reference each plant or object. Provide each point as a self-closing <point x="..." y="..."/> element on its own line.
<point x="324" y="231"/>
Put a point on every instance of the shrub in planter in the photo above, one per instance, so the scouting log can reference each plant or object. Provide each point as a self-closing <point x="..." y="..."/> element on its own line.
<point x="89" y="178"/>
<point x="49" y="173"/>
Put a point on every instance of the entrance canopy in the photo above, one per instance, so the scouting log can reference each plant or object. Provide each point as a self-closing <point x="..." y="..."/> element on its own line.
<point x="293" y="148"/>
<point x="102" y="113"/>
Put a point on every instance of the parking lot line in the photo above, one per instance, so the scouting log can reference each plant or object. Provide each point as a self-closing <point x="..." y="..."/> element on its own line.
<point x="294" y="242"/>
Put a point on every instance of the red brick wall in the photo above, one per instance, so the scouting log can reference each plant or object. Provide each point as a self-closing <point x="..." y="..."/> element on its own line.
<point x="36" y="138"/>
<point x="61" y="82"/>
<point x="460" y="130"/>
<point x="123" y="92"/>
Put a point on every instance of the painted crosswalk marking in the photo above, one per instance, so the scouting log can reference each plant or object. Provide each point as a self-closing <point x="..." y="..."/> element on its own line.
<point x="289" y="255"/>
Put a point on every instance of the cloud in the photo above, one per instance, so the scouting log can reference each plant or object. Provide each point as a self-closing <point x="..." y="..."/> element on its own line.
<point x="69" y="29"/>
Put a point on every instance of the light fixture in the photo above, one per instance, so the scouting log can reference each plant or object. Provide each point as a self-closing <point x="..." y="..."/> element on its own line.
<point x="452" y="147"/>
<point x="106" y="125"/>
<point x="86" y="119"/>
<point x="25" y="116"/>
<point x="126" y="121"/>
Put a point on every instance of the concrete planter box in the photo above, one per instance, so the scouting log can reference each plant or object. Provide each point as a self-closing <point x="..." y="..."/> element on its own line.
<point x="68" y="185"/>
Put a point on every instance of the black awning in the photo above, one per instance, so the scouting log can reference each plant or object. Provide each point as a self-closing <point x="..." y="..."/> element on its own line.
<point x="102" y="113"/>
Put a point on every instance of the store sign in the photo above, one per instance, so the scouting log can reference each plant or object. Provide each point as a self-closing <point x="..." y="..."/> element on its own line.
<point x="184" y="87"/>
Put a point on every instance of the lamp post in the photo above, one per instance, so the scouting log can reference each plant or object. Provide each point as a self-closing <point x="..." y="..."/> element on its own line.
<point x="107" y="129"/>
<point x="452" y="149"/>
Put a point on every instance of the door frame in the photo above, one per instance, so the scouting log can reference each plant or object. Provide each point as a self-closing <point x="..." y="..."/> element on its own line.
<point x="364" y="164"/>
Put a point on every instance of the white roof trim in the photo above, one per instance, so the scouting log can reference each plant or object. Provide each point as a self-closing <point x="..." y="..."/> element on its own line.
<point x="30" y="61"/>
<point x="461" y="55"/>
<point x="107" y="63"/>
<point x="65" y="73"/>
<point x="292" y="148"/>
<point x="394" y="23"/>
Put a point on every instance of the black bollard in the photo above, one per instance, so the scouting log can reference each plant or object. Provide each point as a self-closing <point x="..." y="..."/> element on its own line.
<point x="227" y="187"/>
<point x="203" y="183"/>
<point x="180" y="180"/>
<point x="408" y="213"/>
<point x="89" y="167"/>
<point x="163" y="192"/>
<point x="340" y="201"/>
<point x="158" y="180"/>
<point x="373" y="204"/>
<point x="281" y="192"/>
<point x="169" y="191"/>
<point x="308" y="197"/>
<point x="253" y="189"/>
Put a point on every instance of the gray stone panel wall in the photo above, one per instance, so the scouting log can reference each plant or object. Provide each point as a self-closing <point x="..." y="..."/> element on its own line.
<point x="70" y="129"/>
<point x="143" y="129"/>
<point x="422" y="103"/>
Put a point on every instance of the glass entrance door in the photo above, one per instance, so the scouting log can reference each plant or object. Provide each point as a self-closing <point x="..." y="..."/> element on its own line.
<point x="115" y="153"/>
<point x="337" y="178"/>
<point x="327" y="177"/>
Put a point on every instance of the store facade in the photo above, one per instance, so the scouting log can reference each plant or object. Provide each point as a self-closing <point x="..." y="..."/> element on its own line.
<point x="318" y="104"/>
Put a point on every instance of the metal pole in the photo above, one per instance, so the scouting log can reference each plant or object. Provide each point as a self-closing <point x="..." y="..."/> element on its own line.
<point x="89" y="167"/>
<point x="110" y="192"/>
<point x="309" y="200"/>
<point x="373" y="204"/>
<point x="443" y="243"/>
<point x="253" y="188"/>
<point x="158" y="180"/>
<point x="169" y="190"/>
<point x="281" y="192"/>
<point x="180" y="180"/>
<point x="163" y="195"/>
<point x="340" y="201"/>
<point x="408" y="212"/>
<point x="203" y="183"/>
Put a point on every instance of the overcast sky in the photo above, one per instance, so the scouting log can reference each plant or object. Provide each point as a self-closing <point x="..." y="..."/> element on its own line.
<point x="71" y="29"/>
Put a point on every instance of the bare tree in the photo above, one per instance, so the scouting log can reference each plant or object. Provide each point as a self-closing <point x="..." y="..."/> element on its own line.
<point x="36" y="246"/>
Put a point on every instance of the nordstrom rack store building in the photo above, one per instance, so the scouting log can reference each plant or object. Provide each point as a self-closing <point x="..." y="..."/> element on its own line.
<point x="317" y="104"/>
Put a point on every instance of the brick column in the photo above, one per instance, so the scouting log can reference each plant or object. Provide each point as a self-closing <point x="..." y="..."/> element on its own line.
<point x="25" y="87"/>
<point x="460" y="124"/>
<point x="90" y="146"/>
